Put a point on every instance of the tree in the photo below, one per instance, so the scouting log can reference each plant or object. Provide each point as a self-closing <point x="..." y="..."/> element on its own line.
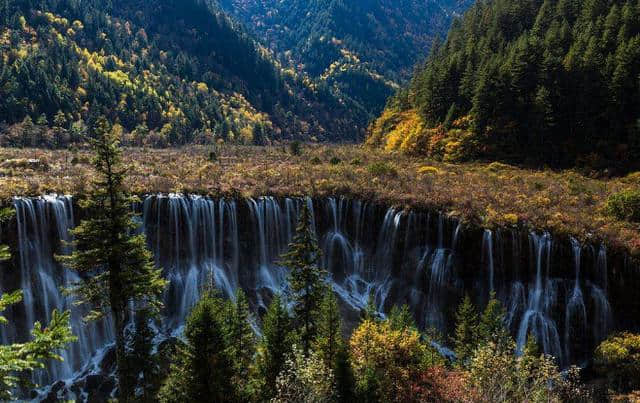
<point x="143" y="364"/>
<point x="20" y="358"/>
<point x="618" y="359"/>
<point x="273" y="349"/>
<point x="115" y="266"/>
<point x="305" y="379"/>
<point x="306" y="279"/>
<point x="492" y="323"/>
<point x="330" y="346"/>
<point x="465" y="338"/>
<point x="385" y="360"/>
<point x="240" y="342"/>
<point x="203" y="369"/>
<point x="328" y="340"/>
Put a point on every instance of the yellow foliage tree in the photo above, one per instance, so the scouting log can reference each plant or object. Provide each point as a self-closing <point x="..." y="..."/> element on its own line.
<point x="392" y="358"/>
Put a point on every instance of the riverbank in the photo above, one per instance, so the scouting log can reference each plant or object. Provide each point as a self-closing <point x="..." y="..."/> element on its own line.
<point x="484" y="194"/>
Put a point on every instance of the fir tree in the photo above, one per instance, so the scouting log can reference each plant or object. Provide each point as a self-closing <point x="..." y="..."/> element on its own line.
<point x="465" y="338"/>
<point x="144" y="364"/>
<point x="203" y="370"/>
<point x="115" y="265"/>
<point x="17" y="360"/>
<point x="328" y="340"/>
<point x="401" y="318"/>
<point x="241" y="343"/>
<point x="306" y="279"/>
<point x="492" y="326"/>
<point x="276" y="344"/>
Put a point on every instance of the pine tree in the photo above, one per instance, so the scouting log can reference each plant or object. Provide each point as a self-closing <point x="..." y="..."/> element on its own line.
<point x="401" y="318"/>
<point x="306" y="279"/>
<point x="328" y="340"/>
<point x="276" y="344"/>
<point x="465" y="338"/>
<point x="116" y="266"/>
<point x="143" y="363"/>
<point x="203" y="370"/>
<point x="16" y="360"/>
<point x="492" y="326"/>
<point x="241" y="343"/>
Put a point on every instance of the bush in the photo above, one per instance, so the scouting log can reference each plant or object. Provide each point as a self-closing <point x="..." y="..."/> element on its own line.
<point x="382" y="169"/>
<point x="315" y="161"/>
<point x="335" y="161"/>
<point x="618" y="359"/>
<point x="295" y="148"/>
<point x="624" y="205"/>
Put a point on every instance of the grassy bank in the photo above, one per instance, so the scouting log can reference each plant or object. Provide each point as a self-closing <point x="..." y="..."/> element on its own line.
<point x="481" y="193"/>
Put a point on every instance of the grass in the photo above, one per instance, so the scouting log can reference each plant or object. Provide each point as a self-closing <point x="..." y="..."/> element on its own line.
<point x="482" y="194"/>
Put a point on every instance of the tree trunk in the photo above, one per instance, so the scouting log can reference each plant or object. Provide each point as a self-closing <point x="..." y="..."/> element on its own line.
<point x="125" y="390"/>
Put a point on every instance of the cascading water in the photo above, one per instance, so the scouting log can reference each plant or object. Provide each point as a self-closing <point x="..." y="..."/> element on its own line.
<point x="425" y="260"/>
<point x="42" y="230"/>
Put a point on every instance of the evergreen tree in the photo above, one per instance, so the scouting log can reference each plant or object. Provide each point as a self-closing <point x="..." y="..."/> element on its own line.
<point x="115" y="266"/>
<point x="203" y="370"/>
<point x="241" y="343"/>
<point x="401" y="318"/>
<point x="492" y="326"/>
<point x="18" y="360"/>
<point x="465" y="338"/>
<point x="306" y="279"/>
<point x="328" y="340"/>
<point x="276" y="344"/>
<point x="144" y="364"/>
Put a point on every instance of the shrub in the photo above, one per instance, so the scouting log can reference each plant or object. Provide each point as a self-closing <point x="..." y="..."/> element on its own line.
<point x="497" y="167"/>
<point x="382" y="169"/>
<point x="618" y="359"/>
<point x="335" y="161"/>
<point x="315" y="161"/>
<point x="624" y="205"/>
<point x="428" y="170"/>
<point x="356" y="161"/>
<point x="295" y="148"/>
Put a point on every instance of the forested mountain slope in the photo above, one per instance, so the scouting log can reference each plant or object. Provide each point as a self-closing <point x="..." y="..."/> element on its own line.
<point x="361" y="49"/>
<point x="167" y="71"/>
<point x="537" y="81"/>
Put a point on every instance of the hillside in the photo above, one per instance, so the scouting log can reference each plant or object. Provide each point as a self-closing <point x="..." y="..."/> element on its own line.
<point x="535" y="82"/>
<point x="168" y="72"/>
<point x="361" y="50"/>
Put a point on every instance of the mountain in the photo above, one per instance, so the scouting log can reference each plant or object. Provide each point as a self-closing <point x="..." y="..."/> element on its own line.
<point x="537" y="81"/>
<point x="362" y="50"/>
<point x="166" y="72"/>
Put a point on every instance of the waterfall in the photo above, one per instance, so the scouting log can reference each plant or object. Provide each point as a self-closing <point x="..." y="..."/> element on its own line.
<point x="487" y="256"/>
<point x="425" y="260"/>
<point x="576" y="312"/>
<point x="43" y="226"/>
<point x="537" y="319"/>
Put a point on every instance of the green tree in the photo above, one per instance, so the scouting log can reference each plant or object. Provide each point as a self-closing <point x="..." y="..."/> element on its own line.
<point x="143" y="364"/>
<point x="465" y="338"/>
<point x="492" y="323"/>
<point x="203" y="370"/>
<point x="306" y="279"/>
<point x="241" y="343"/>
<point x="20" y="358"/>
<point x="273" y="349"/>
<point x="115" y="265"/>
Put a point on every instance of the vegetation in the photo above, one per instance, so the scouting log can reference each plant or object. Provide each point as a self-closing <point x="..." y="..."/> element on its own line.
<point x="164" y="72"/>
<point x="18" y="360"/>
<point x="480" y="194"/>
<point x="541" y="81"/>
<point x="306" y="279"/>
<point x="359" y="51"/>
<point x="618" y="360"/>
<point x="115" y="266"/>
